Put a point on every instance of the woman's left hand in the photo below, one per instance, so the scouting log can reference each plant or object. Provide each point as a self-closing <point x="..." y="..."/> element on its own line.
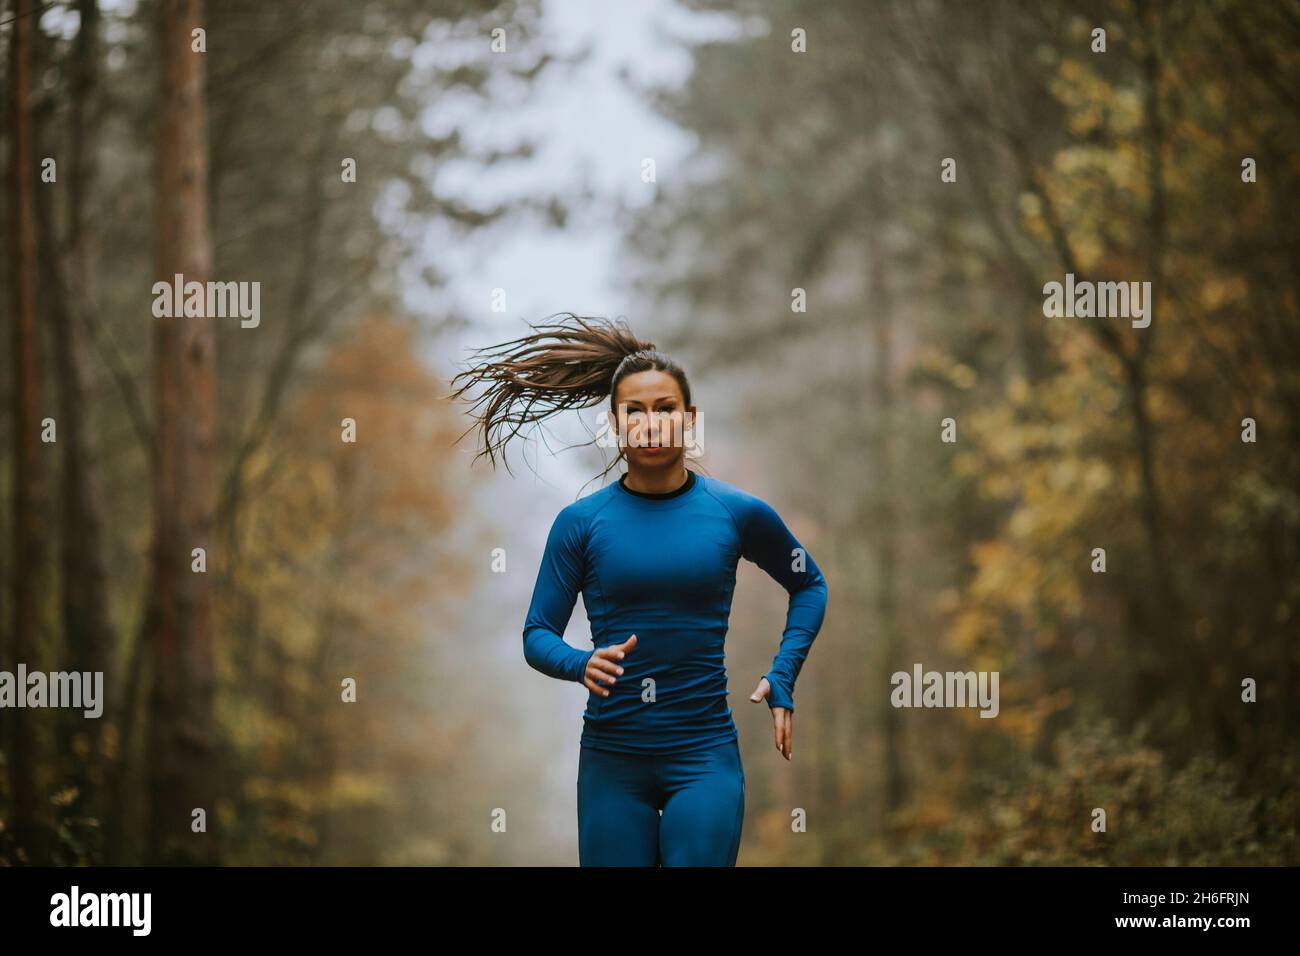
<point x="782" y="719"/>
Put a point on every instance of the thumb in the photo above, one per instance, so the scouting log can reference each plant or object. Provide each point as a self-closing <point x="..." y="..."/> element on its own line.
<point x="629" y="644"/>
<point x="760" y="692"/>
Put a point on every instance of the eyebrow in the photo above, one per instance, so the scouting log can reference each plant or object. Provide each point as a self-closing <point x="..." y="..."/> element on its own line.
<point x="661" y="398"/>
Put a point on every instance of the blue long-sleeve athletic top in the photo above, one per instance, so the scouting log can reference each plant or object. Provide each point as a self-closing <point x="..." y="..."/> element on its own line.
<point x="663" y="567"/>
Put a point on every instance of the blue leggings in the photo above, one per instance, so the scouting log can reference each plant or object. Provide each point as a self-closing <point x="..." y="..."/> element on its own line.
<point x="660" y="810"/>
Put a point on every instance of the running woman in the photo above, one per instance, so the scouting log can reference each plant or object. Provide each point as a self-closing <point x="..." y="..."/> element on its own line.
<point x="654" y="555"/>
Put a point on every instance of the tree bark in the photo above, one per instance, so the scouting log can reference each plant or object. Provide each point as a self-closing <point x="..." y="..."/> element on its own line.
<point x="31" y="812"/>
<point x="884" y="522"/>
<point x="88" y="636"/>
<point x="179" y="618"/>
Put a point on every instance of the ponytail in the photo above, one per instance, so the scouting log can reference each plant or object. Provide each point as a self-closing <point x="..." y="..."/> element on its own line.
<point x="561" y="365"/>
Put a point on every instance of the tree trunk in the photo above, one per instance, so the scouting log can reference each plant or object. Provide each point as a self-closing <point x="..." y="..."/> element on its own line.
<point x="179" y="617"/>
<point x="88" y="637"/>
<point x="31" y="815"/>
<point x="884" y="522"/>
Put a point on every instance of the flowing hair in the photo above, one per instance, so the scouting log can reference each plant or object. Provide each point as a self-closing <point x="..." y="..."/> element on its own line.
<point x="573" y="363"/>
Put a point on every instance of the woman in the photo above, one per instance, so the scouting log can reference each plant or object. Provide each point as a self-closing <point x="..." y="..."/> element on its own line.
<point x="654" y="555"/>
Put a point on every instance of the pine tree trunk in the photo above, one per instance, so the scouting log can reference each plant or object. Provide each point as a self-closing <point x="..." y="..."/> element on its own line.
<point x="31" y="815"/>
<point x="179" y="624"/>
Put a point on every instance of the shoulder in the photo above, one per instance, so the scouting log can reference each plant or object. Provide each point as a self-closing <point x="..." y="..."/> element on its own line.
<point x="576" y="516"/>
<point x="744" y="506"/>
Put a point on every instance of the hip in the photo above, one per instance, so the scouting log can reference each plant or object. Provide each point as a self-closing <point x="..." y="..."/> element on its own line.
<point x="660" y="774"/>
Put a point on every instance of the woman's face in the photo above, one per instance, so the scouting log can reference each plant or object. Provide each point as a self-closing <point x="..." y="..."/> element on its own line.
<point x="651" y="418"/>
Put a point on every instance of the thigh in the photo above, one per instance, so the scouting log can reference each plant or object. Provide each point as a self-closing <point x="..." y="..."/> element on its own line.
<point x="618" y="821"/>
<point x="705" y="807"/>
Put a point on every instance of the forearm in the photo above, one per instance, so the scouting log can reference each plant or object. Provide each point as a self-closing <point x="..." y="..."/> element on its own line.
<point x="547" y="652"/>
<point x="802" y="624"/>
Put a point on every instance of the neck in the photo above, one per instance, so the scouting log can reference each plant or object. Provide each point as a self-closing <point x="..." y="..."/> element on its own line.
<point x="656" y="481"/>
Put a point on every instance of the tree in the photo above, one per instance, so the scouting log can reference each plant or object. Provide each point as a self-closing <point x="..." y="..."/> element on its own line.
<point x="31" y="809"/>
<point x="179" y="621"/>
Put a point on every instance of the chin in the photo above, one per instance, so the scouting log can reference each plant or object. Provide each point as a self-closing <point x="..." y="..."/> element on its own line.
<point x="659" y="460"/>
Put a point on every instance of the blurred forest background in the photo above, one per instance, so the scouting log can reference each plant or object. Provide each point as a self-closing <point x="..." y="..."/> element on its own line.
<point x="818" y="171"/>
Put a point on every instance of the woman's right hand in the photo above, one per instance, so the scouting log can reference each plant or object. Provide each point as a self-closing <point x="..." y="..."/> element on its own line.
<point x="601" y="666"/>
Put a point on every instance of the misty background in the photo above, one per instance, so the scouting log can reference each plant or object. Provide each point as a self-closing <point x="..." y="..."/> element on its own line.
<point x="833" y="297"/>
